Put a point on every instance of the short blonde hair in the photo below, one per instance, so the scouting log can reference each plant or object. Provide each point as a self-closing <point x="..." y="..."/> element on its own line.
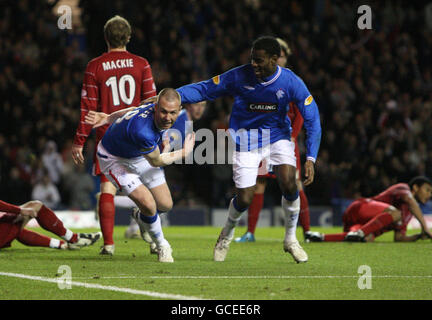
<point x="169" y="94"/>
<point x="284" y="46"/>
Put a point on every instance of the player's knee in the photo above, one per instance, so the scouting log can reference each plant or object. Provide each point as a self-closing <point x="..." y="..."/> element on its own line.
<point x="395" y="213"/>
<point x="147" y="209"/>
<point x="34" y="204"/>
<point x="289" y="187"/>
<point x="165" y="206"/>
<point x="260" y="186"/>
<point x="146" y="206"/>
<point x="244" y="200"/>
<point x="108" y="187"/>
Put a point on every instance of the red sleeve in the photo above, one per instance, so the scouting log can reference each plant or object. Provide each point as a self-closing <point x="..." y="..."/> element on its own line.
<point x="296" y="120"/>
<point x="148" y="86"/>
<point x="402" y="190"/>
<point x="89" y="101"/>
<point x="7" y="217"/>
<point x="9" y="208"/>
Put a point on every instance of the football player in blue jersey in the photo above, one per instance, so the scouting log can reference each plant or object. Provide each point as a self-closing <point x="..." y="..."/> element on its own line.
<point x="173" y="139"/>
<point x="262" y="91"/>
<point x="129" y="156"/>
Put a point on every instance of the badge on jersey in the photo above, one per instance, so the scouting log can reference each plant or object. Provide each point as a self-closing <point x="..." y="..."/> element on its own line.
<point x="308" y="101"/>
<point x="216" y="80"/>
<point x="280" y="94"/>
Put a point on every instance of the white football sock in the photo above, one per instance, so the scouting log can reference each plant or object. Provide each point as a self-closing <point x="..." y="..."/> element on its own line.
<point x="232" y="220"/>
<point x="155" y="231"/>
<point x="54" y="243"/>
<point x="291" y="210"/>
<point x="68" y="235"/>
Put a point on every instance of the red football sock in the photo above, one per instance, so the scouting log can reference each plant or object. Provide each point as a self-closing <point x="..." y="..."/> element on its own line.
<point x="254" y="211"/>
<point x="380" y="221"/>
<point x="106" y="217"/>
<point x="335" y="237"/>
<point x="49" y="221"/>
<point x="31" y="238"/>
<point x="304" y="212"/>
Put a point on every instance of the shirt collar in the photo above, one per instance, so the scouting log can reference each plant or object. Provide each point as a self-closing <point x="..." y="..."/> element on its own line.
<point x="270" y="79"/>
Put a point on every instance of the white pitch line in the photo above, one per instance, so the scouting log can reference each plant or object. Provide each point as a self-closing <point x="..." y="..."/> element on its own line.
<point x="281" y="277"/>
<point x="101" y="287"/>
<point x="258" y="277"/>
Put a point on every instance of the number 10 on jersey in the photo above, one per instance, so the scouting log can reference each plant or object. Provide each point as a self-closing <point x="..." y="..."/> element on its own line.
<point x="119" y="91"/>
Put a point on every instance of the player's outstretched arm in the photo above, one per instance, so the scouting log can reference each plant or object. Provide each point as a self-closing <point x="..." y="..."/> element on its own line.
<point x="399" y="237"/>
<point x="99" y="119"/>
<point x="416" y="211"/>
<point x="157" y="159"/>
<point x="96" y="119"/>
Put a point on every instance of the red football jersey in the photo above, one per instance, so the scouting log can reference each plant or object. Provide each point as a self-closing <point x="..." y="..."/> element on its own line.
<point x="113" y="81"/>
<point x="296" y="119"/>
<point x="393" y="195"/>
<point x="7" y="211"/>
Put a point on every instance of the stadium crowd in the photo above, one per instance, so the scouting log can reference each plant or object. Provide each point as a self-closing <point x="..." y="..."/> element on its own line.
<point x="373" y="88"/>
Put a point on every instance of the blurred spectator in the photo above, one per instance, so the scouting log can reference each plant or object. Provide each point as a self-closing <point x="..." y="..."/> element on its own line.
<point x="52" y="161"/>
<point x="47" y="192"/>
<point x="79" y="185"/>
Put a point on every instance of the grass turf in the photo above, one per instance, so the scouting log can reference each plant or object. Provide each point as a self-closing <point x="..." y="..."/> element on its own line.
<point x="252" y="271"/>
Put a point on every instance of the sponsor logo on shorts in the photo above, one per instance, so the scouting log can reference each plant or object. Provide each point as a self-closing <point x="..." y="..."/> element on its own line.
<point x="216" y="80"/>
<point x="262" y="107"/>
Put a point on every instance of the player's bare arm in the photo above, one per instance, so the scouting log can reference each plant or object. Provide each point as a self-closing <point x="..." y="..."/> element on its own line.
<point x="399" y="237"/>
<point x="157" y="159"/>
<point x="309" y="172"/>
<point x="416" y="211"/>
<point x="98" y="119"/>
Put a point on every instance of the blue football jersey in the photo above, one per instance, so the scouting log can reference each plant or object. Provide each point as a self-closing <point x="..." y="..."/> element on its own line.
<point x="134" y="134"/>
<point x="259" y="112"/>
<point x="177" y="133"/>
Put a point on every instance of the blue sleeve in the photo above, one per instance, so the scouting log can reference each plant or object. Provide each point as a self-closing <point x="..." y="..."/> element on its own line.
<point x="218" y="86"/>
<point x="309" y="110"/>
<point x="145" y="143"/>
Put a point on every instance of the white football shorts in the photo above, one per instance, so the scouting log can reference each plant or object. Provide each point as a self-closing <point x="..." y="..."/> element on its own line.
<point x="246" y="165"/>
<point x="128" y="174"/>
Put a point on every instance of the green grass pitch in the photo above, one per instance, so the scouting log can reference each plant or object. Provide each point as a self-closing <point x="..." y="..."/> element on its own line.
<point x="252" y="271"/>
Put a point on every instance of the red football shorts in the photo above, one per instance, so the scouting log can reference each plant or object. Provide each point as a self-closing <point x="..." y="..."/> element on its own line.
<point x="361" y="212"/>
<point x="8" y="232"/>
